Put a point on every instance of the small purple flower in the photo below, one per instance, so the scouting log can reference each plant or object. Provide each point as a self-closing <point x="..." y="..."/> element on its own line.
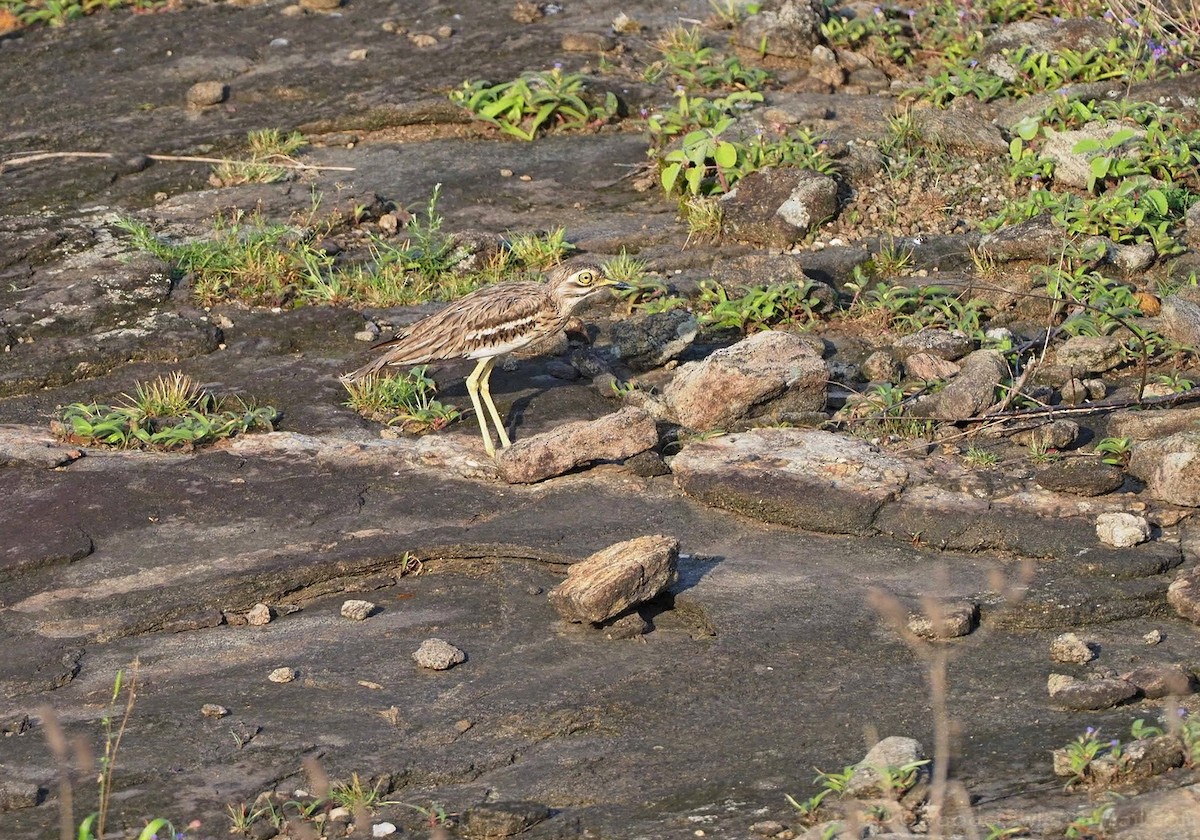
<point x="558" y="65"/>
<point x="912" y="13"/>
<point x="972" y="63"/>
<point x="1056" y="19"/>
<point x="1090" y="731"/>
<point x="644" y="112"/>
<point x="1114" y="743"/>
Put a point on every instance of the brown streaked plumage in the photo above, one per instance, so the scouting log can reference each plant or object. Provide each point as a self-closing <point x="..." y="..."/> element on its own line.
<point x="487" y="323"/>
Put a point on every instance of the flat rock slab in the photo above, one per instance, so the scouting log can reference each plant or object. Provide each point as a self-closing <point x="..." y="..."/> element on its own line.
<point x="808" y="479"/>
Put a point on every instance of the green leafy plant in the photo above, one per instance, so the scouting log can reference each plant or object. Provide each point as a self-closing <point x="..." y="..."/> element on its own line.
<point x="169" y="413"/>
<point x="757" y="308"/>
<point x="1090" y="826"/>
<point x="995" y="831"/>
<point x="690" y="64"/>
<point x="534" y="103"/>
<point x="695" y="112"/>
<point x="1116" y="450"/>
<point x="405" y="400"/>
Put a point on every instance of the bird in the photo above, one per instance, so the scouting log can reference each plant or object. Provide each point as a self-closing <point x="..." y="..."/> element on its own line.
<point x="487" y="323"/>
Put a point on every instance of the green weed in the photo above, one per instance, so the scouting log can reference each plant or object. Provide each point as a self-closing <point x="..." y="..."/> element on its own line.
<point x="169" y="413"/>
<point x="405" y="400"/>
<point x="758" y="308"/>
<point x="535" y="103"/>
<point x="268" y="148"/>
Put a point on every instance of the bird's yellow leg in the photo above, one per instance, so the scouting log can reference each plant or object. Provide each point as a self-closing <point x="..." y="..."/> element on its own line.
<point x="481" y="371"/>
<point x="486" y="387"/>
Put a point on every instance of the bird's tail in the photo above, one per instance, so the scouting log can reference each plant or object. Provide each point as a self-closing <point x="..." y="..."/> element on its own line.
<point x="371" y="368"/>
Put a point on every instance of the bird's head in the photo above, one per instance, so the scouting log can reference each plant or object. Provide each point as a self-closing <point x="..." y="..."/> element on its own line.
<point x="572" y="283"/>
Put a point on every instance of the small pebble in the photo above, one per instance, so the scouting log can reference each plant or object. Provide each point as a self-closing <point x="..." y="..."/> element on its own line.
<point x="506" y="173"/>
<point x="203" y="94"/>
<point x="444" y="32"/>
<point x="340" y="814"/>
<point x="357" y="610"/>
<point x="421" y="39"/>
<point x="463" y="725"/>
<point x="213" y="710"/>
<point x="357" y="55"/>
<point x="259" y="615"/>
<point x="1153" y="637"/>
<point x="1070" y="648"/>
<point x="767" y="828"/>
<point x="279" y="42"/>
<point x="320" y="5"/>
<point x="382" y="829"/>
<point x="438" y="655"/>
<point x="282" y="675"/>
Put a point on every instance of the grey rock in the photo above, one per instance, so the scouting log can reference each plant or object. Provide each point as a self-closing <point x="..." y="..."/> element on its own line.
<point x="28" y="446"/>
<point x="1170" y="467"/>
<point x="15" y="795"/>
<point x="970" y="393"/>
<point x="1184" y="594"/>
<point x="1122" y="530"/>
<point x="1073" y="392"/>
<point x="1162" y="679"/>
<point x="1084" y="354"/>
<point x="945" y="620"/>
<point x="963" y="131"/>
<point x="1073" y="168"/>
<point x="1180" y="320"/>
<point x="787" y="29"/>
<point x="282" y="675"/>
<point x="1079" y="34"/>
<point x="1068" y="647"/>
<point x="615" y="578"/>
<point x="438" y="655"/>
<point x="1081" y="477"/>
<point x="357" y="610"/>
<point x="647" y="465"/>
<point x="630" y="625"/>
<point x="892" y="752"/>
<point x="881" y="366"/>
<point x="502" y="819"/>
<point x="647" y="341"/>
<point x="777" y="207"/>
<point x="823" y="66"/>
<point x="933" y="341"/>
<point x="203" y="94"/>
<point x="929" y="367"/>
<point x="808" y="479"/>
<point x="769" y="369"/>
<point x="1056" y="434"/>
<point x="1034" y="239"/>
<point x="1140" y="759"/>
<point x="1134" y="258"/>
<point x="1146" y="425"/>
<point x="258" y="615"/>
<point x="1156" y="815"/>
<point x="213" y="710"/>
<point x="610" y="438"/>
<point x="1067" y="692"/>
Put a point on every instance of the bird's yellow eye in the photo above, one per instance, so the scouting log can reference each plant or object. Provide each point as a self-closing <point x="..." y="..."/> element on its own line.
<point x="586" y="277"/>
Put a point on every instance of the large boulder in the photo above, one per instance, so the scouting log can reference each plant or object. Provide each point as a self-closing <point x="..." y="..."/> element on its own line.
<point x="613" y="437"/>
<point x="1170" y="467"/>
<point x="777" y="207"/>
<point x="769" y="371"/>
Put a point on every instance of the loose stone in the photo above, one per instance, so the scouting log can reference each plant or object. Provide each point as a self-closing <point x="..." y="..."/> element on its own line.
<point x="1122" y="530"/>
<point x="438" y="655"/>
<point x="1153" y="637"/>
<point x="357" y="610"/>
<point x="1070" y="648"/>
<point x="258" y="615"/>
<point x="282" y="675"/>
<point x="383" y="829"/>
<point x="213" y="710"/>
<point x="203" y="94"/>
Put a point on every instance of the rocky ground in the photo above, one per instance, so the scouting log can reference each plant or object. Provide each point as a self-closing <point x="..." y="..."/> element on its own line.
<point x="808" y="552"/>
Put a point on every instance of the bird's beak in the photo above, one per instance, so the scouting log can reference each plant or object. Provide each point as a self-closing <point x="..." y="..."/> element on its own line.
<point x="617" y="285"/>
